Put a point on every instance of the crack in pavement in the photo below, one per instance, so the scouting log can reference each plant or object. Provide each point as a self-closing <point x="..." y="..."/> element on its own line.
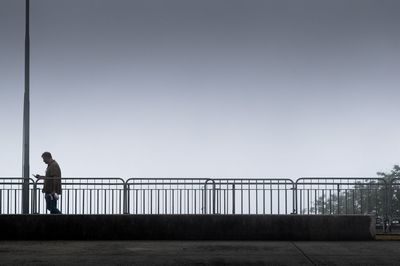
<point x="304" y="254"/>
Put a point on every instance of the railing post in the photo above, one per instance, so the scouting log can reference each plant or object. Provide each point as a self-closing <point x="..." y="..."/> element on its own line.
<point x="205" y="196"/>
<point x="125" y="200"/>
<point x="205" y="199"/>
<point x="295" y="198"/>
<point x="213" y="193"/>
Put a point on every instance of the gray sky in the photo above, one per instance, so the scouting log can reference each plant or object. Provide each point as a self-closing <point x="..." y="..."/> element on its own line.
<point x="207" y="88"/>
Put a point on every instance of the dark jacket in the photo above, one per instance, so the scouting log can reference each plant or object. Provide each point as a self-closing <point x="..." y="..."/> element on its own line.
<point x="52" y="180"/>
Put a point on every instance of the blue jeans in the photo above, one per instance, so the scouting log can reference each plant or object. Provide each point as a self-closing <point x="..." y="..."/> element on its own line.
<point x="51" y="204"/>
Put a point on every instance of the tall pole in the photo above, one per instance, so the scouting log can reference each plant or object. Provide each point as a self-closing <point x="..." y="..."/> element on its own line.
<point x="25" y="148"/>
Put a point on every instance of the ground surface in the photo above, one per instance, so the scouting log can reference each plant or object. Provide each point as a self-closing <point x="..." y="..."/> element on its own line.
<point x="199" y="253"/>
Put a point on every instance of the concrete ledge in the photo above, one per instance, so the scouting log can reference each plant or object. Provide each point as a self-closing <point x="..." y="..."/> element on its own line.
<point x="186" y="227"/>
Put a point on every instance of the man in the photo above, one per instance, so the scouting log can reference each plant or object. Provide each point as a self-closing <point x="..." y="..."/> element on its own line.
<point x="52" y="183"/>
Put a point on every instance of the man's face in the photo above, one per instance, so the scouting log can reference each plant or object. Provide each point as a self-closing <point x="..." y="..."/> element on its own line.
<point x="46" y="160"/>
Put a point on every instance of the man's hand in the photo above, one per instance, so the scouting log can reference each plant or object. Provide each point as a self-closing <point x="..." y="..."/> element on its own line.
<point x="54" y="195"/>
<point x="38" y="176"/>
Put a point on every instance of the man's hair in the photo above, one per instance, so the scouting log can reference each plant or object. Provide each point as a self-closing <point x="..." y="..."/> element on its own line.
<point x="47" y="155"/>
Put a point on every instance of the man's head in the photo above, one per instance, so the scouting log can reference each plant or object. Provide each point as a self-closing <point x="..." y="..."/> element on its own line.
<point x="47" y="158"/>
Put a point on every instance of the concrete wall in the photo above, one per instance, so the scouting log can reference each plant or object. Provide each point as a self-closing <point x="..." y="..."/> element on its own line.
<point x="186" y="227"/>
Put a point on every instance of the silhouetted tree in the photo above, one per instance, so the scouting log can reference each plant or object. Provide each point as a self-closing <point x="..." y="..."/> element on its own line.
<point x="393" y="177"/>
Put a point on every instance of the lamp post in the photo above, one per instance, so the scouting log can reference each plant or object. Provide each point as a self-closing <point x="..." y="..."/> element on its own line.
<point x="25" y="147"/>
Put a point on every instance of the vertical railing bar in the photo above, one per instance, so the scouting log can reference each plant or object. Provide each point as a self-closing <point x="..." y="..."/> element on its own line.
<point x="286" y="199"/>
<point x="256" y="198"/>
<point x="233" y="198"/>
<point x="264" y="197"/>
<point x="226" y="200"/>
<point x="217" y="200"/>
<point x="1" y="201"/>
<point x="376" y="202"/>
<point x="90" y="200"/>
<point x="128" y="200"/>
<point x="194" y="200"/>
<point x="210" y="201"/>
<point x="8" y="201"/>
<point x="271" y="191"/>
<point x="315" y="201"/>
<point x="98" y="200"/>
<point x="121" y="202"/>
<point x="76" y="201"/>
<point x="136" y="197"/>
<point x="165" y="201"/>
<point x="15" y="200"/>
<point x="188" y="200"/>
<point x="249" y="199"/>
<point x="151" y="201"/>
<point x="241" y="197"/>
<point x="278" y="187"/>
<point x="180" y="200"/>
<point x="301" y="198"/>
<point x="38" y="200"/>
<point x="370" y="196"/>
<point x="112" y="200"/>
<point x="158" y="201"/>
<point x="143" y="191"/>
<point x="105" y="201"/>
<point x="173" y="200"/>
<point x="361" y="201"/>
<point x="338" y="199"/>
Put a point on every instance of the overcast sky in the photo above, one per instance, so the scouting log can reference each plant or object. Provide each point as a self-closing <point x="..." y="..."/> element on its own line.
<point x="185" y="88"/>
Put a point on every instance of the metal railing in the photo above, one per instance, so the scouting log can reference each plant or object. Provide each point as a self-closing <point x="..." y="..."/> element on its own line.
<point x="11" y="195"/>
<point x="169" y="196"/>
<point x="253" y="196"/>
<point x="209" y="196"/>
<point x="85" y="196"/>
<point x="341" y="196"/>
<point x="307" y="196"/>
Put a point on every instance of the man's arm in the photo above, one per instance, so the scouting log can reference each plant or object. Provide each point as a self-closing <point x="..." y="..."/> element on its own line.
<point x="53" y="192"/>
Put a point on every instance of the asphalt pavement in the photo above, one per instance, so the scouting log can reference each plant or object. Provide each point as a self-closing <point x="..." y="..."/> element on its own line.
<point x="378" y="252"/>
